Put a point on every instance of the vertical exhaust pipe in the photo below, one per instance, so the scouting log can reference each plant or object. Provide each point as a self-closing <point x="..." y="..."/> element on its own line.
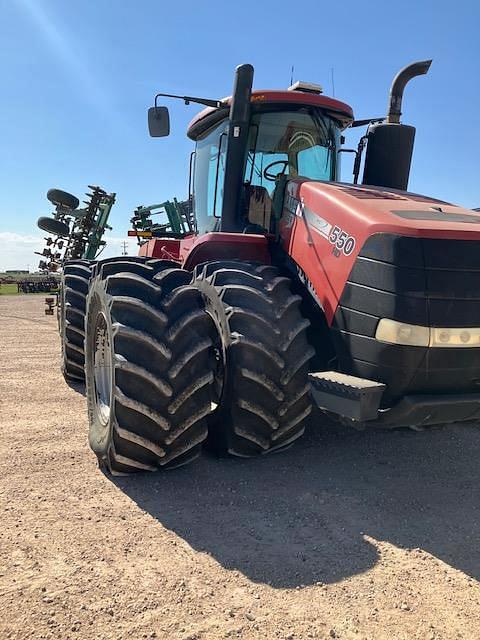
<point x="237" y="140"/>
<point x="398" y="86"/>
<point x="390" y="143"/>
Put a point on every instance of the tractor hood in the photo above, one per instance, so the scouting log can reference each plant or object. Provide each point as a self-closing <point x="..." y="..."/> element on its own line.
<point x="327" y="227"/>
<point x="367" y="254"/>
<point x="369" y="210"/>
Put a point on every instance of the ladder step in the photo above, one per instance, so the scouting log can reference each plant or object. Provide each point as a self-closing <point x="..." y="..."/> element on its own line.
<point x="349" y="396"/>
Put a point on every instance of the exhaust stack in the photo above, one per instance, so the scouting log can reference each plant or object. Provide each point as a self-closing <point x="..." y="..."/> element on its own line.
<point x="237" y="140"/>
<point x="398" y="85"/>
<point x="390" y="143"/>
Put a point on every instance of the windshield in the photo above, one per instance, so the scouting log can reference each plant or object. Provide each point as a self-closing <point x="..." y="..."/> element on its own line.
<point x="300" y="141"/>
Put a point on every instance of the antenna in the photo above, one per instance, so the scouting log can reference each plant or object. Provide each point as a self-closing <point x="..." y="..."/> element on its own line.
<point x="124" y="248"/>
<point x="333" y="81"/>
<point x="291" y="75"/>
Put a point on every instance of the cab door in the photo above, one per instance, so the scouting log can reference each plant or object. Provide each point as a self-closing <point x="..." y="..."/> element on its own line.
<point x="209" y="175"/>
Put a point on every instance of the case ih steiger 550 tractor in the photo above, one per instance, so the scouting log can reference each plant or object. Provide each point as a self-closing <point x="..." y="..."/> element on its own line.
<point x="292" y="288"/>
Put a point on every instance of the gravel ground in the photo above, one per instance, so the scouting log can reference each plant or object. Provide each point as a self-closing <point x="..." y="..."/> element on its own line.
<point x="347" y="535"/>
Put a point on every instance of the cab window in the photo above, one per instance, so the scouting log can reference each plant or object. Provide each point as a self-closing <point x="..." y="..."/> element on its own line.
<point x="295" y="142"/>
<point x="209" y="173"/>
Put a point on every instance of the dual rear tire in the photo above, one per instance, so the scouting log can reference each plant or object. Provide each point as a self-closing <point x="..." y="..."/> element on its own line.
<point x="71" y="317"/>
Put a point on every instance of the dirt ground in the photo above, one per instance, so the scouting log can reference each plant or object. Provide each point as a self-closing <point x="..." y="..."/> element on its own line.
<point x="347" y="535"/>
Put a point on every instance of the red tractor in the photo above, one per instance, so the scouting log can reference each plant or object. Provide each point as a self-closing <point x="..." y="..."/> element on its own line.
<point x="293" y="288"/>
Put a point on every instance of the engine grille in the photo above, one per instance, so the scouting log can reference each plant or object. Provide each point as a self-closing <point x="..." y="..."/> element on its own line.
<point x="430" y="282"/>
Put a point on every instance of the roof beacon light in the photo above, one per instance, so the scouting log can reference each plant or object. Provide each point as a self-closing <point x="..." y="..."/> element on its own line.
<point x="306" y="87"/>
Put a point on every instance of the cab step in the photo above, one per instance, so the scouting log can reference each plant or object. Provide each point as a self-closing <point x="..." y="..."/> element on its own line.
<point x="348" y="396"/>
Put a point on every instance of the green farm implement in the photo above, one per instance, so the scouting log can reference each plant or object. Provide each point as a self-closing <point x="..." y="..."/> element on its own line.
<point x="77" y="241"/>
<point x="78" y="232"/>
<point x="176" y="220"/>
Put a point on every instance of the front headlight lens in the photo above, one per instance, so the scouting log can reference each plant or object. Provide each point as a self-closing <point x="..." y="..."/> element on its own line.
<point x="417" y="336"/>
<point x="399" y="333"/>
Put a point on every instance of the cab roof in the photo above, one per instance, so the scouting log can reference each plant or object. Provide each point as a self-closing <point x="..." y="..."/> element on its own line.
<point x="211" y="115"/>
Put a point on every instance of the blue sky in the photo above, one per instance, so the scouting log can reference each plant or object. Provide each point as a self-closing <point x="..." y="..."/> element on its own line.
<point x="77" y="78"/>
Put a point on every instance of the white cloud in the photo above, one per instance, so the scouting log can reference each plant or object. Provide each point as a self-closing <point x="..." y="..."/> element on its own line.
<point x="17" y="251"/>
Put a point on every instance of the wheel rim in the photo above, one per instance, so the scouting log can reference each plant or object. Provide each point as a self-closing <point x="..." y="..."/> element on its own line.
<point x="218" y="376"/>
<point x="102" y="370"/>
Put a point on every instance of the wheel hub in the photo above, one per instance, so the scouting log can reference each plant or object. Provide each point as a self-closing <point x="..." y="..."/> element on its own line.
<point x="102" y="370"/>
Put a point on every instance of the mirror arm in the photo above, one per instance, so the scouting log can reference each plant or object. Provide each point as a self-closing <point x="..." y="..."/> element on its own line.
<point x="363" y="123"/>
<point x="188" y="99"/>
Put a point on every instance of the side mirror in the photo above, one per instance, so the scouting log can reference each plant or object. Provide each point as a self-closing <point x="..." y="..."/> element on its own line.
<point x="158" y="122"/>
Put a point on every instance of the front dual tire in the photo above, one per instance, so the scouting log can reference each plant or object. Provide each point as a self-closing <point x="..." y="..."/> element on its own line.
<point x="150" y="362"/>
<point x="176" y="360"/>
<point x="266" y="391"/>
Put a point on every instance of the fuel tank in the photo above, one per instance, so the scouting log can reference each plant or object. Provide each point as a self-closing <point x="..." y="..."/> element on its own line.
<point x="366" y="253"/>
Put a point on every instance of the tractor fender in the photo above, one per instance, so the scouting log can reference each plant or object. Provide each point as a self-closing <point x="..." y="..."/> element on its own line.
<point x="221" y="246"/>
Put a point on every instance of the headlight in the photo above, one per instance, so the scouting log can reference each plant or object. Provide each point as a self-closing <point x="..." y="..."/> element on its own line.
<point x="400" y="333"/>
<point x="417" y="336"/>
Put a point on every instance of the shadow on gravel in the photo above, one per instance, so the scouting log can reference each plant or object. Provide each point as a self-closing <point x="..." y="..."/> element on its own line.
<point x="299" y="517"/>
<point x="77" y="386"/>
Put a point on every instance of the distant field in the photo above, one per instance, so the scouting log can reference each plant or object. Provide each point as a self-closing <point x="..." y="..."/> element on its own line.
<point x="11" y="289"/>
<point x="8" y="289"/>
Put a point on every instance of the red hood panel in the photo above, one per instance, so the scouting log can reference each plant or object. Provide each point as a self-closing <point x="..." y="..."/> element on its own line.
<point x="392" y="211"/>
<point x="324" y="225"/>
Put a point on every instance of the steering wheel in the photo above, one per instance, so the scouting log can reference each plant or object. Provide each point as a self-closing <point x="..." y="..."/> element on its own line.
<point x="273" y="176"/>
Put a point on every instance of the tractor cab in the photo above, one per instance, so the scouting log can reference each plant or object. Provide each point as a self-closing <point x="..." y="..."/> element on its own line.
<point x="291" y="134"/>
<point x="248" y="146"/>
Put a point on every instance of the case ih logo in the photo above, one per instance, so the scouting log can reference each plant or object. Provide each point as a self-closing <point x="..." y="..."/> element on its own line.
<point x="320" y="225"/>
<point x="292" y="205"/>
<point x="343" y="242"/>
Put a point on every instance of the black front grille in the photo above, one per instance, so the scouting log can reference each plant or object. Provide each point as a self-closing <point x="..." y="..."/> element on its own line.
<point x="419" y="281"/>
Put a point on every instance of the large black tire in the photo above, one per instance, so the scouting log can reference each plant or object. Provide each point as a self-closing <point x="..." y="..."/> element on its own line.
<point x="71" y="316"/>
<point x="150" y="360"/>
<point x="63" y="198"/>
<point x="266" y="394"/>
<point x="72" y="306"/>
<point x="53" y="226"/>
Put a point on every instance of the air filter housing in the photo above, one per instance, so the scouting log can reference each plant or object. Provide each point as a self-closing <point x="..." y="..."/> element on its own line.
<point x="389" y="155"/>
